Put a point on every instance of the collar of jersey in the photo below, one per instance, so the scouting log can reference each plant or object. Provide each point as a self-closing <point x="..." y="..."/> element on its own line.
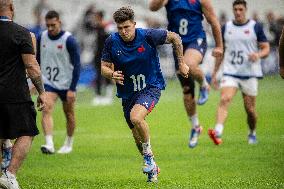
<point x="236" y="24"/>
<point x="5" y="18"/>
<point x="129" y="43"/>
<point x="57" y="36"/>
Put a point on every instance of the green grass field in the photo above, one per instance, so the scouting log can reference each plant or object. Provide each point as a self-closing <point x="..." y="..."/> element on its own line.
<point x="105" y="155"/>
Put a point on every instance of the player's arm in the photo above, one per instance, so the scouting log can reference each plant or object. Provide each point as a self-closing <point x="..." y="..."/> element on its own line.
<point x="212" y="19"/>
<point x="262" y="53"/>
<point x="281" y="54"/>
<point x="264" y="50"/>
<point x="155" y="5"/>
<point x="218" y="62"/>
<point x="108" y="72"/>
<point x="263" y="44"/>
<point x="33" y="71"/>
<point x="27" y="52"/>
<point x="74" y="54"/>
<point x="32" y="87"/>
<point x="31" y="65"/>
<point x="175" y="40"/>
<point x="33" y="41"/>
<point x="107" y="67"/>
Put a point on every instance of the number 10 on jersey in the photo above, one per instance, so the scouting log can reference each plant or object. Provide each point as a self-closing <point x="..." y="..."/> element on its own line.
<point x="139" y="82"/>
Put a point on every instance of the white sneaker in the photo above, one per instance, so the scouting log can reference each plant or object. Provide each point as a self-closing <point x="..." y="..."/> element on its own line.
<point x="105" y="101"/>
<point x="46" y="149"/>
<point x="8" y="181"/>
<point x="96" y="101"/>
<point x="65" y="149"/>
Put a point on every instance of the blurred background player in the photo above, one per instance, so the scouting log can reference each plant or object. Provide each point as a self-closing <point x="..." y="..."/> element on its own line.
<point x="185" y="18"/>
<point x="39" y="12"/>
<point x="245" y="45"/>
<point x="58" y="55"/>
<point x="101" y="82"/>
<point x="281" y="54"/>
<point x="133" y="54"/>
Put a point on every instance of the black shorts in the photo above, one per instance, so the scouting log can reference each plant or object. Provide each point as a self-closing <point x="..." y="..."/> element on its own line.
<point x="18" y="119"/>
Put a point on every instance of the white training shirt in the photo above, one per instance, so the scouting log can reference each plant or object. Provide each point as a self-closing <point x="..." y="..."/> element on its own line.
<point x="240" y="41"/>
<point x="55" y="62"/>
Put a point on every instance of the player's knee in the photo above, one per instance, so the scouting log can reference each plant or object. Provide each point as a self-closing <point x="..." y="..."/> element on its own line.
<point x="225" y="100"/>
<point x="48" y="109"/>
<point x="135" y="120"/>
<point x="69" y="116"/>
<point x="251" y="112"/>
<point x="186" y="90"/>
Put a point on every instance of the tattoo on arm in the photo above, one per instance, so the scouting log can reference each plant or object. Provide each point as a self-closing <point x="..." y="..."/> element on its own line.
<point x="33" y="71"/>
<point x="177" y="44"/>
<point x="37" y="81"/>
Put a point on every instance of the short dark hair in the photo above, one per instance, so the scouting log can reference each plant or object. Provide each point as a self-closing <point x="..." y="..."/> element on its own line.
<point x="52" y="14"/>
<point x="240" y="2"/>
<point x="100" y="14"/>
<point x="123" y="14"/>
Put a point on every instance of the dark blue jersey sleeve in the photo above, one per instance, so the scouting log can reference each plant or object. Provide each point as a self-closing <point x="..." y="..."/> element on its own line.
<point x="74" y="52"/>
<point x="259" y="33"/>
<point x="156" y="36"/>
<point x="223" y="29"/>
<point x="106" y="54"/>
<point x="38" y="39"/>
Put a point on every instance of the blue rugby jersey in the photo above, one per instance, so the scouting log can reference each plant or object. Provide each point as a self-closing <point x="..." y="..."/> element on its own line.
<point x="138" y="60"/>
<point x="185" y="18"/>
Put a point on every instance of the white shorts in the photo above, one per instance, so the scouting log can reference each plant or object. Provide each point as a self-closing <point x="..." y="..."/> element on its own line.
<point x="247" y="86"/>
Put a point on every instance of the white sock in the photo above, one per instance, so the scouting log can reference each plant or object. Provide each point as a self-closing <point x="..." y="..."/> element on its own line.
<point x="10" y="175"/>
<point x="147" y="148"/>
<point x="7" y="143"/>
<point x="109" y="90"/>
<point x="194" y="121"/>
<point x="219" y="128"/>
<point x="69" y="141"/>
<point x="252" y="132"/>
<point x="49" y="140"/>
<point x="204" y="83"/>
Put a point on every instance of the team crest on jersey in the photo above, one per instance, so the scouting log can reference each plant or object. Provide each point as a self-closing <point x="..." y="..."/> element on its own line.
<point x="141" y="49"/>
<point x="192" y="1"/>
<point x="246" y="32"/>
<point x="199" y="41"/>
<point x="60" y="46"/>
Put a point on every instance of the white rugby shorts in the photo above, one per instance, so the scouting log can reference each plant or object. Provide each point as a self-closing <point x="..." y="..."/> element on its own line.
<point x="247" y="86"/>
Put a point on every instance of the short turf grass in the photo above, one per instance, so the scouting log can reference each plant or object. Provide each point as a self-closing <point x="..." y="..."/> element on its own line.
<point x="105" y="155"/>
